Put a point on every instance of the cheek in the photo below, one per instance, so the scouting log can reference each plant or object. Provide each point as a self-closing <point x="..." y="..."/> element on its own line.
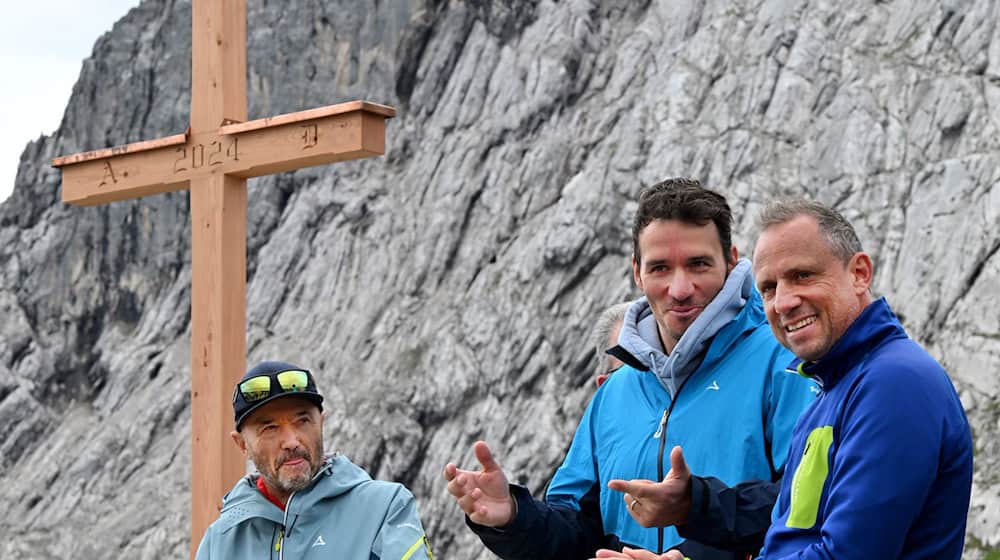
<point x="775" y="330"/>
<point x="772" y="317"/>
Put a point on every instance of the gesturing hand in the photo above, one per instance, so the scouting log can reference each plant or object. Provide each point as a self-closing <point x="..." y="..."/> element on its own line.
<point x="483" y="495"/>
<point x="659" y="504"/>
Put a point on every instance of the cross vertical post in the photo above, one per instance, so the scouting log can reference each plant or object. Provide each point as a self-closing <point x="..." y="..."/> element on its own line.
<point x="218" y="260"/>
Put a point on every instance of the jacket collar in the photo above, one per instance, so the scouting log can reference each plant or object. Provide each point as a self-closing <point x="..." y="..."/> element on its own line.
<point x="337" y="476"/>
<point x="735" y="309"/>
<point x="876" y="324"/>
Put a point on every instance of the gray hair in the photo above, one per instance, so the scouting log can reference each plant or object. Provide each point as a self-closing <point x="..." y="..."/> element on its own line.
<point x="606" y="321"/>
<point x="839" y="233"/>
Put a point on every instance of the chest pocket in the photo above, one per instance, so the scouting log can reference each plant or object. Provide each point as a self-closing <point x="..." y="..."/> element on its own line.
<point x="809" y="479"/>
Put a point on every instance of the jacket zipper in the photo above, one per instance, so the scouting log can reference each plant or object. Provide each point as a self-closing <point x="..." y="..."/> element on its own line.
<point x="663" y="423"/>
<point x="661" y="434"/>
<point x="284" y="518"/>
<point x="284" y="523"/>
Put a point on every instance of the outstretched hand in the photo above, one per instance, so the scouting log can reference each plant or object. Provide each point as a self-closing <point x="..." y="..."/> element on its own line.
<point x="639" y="554"/>
<point x="483" y="495"/>
<point x="659" y="504"/>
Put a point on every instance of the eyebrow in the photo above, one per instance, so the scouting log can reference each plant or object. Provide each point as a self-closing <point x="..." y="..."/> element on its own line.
<point x="269" y="420"/>
<point x="263" y="421"/>
<point x="705" y="257"/>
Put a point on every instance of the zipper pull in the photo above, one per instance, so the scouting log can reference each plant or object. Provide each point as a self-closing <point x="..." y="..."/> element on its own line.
<point x="663" y="423"/>
<point x="281" y="537"/>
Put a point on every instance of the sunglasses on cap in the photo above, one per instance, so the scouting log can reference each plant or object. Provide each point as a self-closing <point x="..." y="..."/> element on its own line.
<point x="263" y="386"/>
<point x="272" y="380"/>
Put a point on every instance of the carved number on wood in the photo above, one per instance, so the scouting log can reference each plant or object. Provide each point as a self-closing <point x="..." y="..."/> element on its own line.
<point x="216" y="155"/>
<point x="233" y="151"/>
<point x="213" y="154"/>
<point x="310" y="135"/>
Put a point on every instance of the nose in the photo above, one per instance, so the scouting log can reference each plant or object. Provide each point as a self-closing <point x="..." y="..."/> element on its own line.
<point x="290" y="437"/>
<point x="681" y="286"/>
<point x="785" y="299"/>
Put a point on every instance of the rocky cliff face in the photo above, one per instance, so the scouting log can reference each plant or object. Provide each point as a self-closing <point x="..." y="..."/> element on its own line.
<point x="443" y="292"/>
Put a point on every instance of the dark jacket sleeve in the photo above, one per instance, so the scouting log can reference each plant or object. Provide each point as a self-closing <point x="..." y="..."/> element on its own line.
<point x="541" y="531"/>
<point x="732" y="518"/>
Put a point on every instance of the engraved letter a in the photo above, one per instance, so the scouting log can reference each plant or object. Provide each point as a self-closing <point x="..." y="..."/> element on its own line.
<point x="108" y="172"/>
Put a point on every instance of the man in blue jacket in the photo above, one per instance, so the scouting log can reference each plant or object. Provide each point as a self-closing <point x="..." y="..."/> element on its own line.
<point x="304" y="505"/>
<point x="703" y="371"/>
<point x="881" y="465"/>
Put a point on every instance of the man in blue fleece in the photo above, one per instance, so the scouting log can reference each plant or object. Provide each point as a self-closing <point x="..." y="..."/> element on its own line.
<point x="881" y="465"/>
<point x="302" y="504"/>
<point x="703" y="371"/>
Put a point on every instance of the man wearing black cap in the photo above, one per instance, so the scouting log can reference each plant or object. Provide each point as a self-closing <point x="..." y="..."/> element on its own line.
<point x="304" y="505"/>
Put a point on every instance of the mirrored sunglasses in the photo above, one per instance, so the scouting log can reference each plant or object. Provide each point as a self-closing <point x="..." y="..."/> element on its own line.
<point x="263" y="386"/>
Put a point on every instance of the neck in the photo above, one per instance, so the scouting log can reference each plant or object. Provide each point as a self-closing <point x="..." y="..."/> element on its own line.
<point x="274" y="494"/>
<point x="666" y="341"/>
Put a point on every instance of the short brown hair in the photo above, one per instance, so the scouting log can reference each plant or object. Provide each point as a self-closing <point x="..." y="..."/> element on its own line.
<point x="684" y="199"/>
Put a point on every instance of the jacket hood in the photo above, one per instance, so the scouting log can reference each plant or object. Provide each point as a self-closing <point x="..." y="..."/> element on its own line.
<point x="336" y="476"/>
<point x="640" y="337"/>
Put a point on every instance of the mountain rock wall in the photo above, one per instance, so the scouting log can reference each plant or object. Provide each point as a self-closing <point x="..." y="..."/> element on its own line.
<point x="444" y="292"/>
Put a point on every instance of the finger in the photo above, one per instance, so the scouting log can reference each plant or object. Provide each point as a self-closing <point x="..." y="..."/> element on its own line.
<point x="483" y="510"/>
<point x="450" y="470"/>
<point x="456" y="489"/>
<point x="605" y="553"/>
<point x="640" y="554"/>
<point x="485" y="457"/>
<point x="635" y="487"/>
<point x="678" y="466"/>
<point x="632" y="506"/>
<point x="459" y="485"/>
<point x="631" y="502"/>
<point x="627" y="486"/>
<point x="468" y="505"/>
<point x="673" y="555"/>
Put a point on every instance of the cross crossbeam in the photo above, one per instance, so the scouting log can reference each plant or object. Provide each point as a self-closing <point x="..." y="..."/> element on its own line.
<point x="251" y="149"/>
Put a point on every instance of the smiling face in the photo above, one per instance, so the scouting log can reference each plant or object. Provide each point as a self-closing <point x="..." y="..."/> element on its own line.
<point x="681" y="270"/>
<point x="811" y="297"/>
<point x="284" y="439"/>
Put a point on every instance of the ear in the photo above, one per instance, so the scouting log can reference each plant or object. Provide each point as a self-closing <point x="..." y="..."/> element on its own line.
<point x="862" y="272"/>
<point x="239" y="440"/>
<point x="734" y="255"/>
<point x="635" y="273"/>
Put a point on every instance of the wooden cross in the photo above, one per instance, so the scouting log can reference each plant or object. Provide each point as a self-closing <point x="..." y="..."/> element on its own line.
<point x="213" y="159"/>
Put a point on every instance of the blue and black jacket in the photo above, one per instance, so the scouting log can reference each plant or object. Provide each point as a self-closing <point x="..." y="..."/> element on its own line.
<point x="881" y="465"/>
<point x="722" y="394"/>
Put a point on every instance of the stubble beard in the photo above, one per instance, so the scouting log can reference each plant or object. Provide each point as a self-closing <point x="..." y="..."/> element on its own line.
<point x="293" y="483"/>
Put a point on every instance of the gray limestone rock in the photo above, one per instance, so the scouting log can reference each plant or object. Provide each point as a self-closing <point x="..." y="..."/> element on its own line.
<point x="443" y="293"/>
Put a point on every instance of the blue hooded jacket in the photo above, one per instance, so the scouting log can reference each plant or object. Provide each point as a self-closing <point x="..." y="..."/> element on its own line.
<point x="734" y="411"/>
<point x="344" y="514"/>
<point x="881" y="465"/>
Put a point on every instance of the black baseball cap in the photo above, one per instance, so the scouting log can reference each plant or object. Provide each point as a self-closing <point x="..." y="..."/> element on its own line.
<point x="270" y="380"/>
